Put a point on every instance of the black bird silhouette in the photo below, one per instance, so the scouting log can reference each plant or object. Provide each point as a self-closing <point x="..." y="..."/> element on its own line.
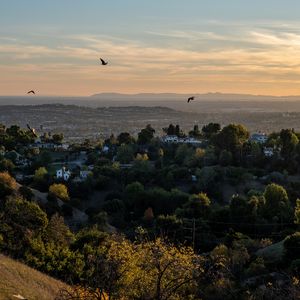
<point x="31" y="92"/>
<point x="190" y="99"/>
<point x="103" y="62"/>
<point x="32" y="130"/>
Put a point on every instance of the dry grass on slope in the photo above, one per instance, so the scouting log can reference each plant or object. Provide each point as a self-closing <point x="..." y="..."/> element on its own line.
<point x="19" y="279"/>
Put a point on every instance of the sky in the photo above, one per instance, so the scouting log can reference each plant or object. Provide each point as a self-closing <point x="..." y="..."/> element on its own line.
<point x="191" y="46"/>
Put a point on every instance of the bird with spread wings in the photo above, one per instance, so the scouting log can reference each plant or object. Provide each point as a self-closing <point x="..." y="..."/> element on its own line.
<point x="190" y="99"/>
<point x="103" y="62"/>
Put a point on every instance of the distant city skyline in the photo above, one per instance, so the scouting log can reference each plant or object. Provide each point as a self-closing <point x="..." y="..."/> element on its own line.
<point x="169" y="46"/>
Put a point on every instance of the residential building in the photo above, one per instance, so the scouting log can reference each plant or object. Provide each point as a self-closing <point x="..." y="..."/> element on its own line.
<point x="84" y="174"/>
<point x="260" y="138"/>
<point x="63" y="173"/>
<point x="183" y="140"/>
<point x="268" y="151"/>
<point x="170" y="139"/>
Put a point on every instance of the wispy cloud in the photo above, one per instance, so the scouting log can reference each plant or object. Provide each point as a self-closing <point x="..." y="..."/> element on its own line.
<point x="238" y="57"/>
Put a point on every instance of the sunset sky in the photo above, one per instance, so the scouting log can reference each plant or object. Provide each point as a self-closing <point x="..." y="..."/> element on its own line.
<point x="192" y="46"/>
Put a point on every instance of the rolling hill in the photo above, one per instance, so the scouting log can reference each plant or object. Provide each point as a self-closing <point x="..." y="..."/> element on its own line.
<point x="18" y="281"/>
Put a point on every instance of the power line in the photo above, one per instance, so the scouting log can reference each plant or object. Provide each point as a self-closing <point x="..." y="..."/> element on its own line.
<point x="237" y="223"/>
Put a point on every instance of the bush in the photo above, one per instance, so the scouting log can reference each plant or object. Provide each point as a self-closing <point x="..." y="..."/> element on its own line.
<point x="295" y="267"/>
<point x="26" y="193"/>
<point x="292" y="246"/>
<point x="7" y="184"/>
<point x="59" y="190"/>
<point x="256" y="268"/>
<point x="113" y="206"/>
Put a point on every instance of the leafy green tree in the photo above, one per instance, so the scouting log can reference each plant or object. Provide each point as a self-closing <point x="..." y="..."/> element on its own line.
<point x="57" y="260"/>
<point x="210" y="158"/>
<point x="125" y="138"/>
<point x="20" y="221"/>
<point x="232" y="138"/>
<point x="256" y="151"/>
<point x="183" y="154"/>
<point x="273" y="140"/>
<point x="6" y="165"/>
<point x="41" y="179"/>
<point x="58" y="232"/>
<point x="196" y="133"/>
<point x="20" y="136"/>
<point x="125" y="154"/>
<point x="142" y="157"/>
<point x="26" y="192"/>
<point x="133" y="192"/>
<point x="211" y="129"/>
<point x="113" y="206"/>
<point x="7" y="184"/>
<point x="179" y="131"/>
<point x="197" y="159"/>
<point x="13" y="130"/>
<point x="2" y="129"/>
<point x="297" y="212"/>
<point x="170" y="130"/>
<point x="256" y="267"/>
<point x="25" y="215"/>
<point x="89" y="238"/>
<point x="207" y="178"/>
<point x="57" y="138"/>
<point x="289" y="141"/>
<point x="40" y="174"/>
<point x="198" y="206"/>
<point x="12" y="156"/>
<point x="155" y="270"/>
<point x="225" y="158"/>
<point x="277" y="202"/>
<point x="111" y="141"/>
<point x="169" y="225"/>
<point x="44" y="158"/>
<point x="146" y="135"/>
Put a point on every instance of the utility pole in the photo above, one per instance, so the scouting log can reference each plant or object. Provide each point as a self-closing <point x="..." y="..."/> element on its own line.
<point x="190" y="227"/>
<point x="194" y="232"/>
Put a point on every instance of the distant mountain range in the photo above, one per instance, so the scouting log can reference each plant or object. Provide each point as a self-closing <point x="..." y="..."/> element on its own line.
<point x="204" y="97"/>
<point x="210" y="102"/>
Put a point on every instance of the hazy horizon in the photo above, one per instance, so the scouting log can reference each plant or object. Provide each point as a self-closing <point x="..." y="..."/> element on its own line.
<point x="221" y="94"/>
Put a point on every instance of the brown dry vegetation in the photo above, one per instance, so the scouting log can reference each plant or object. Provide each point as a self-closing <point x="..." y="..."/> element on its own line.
<point x="19" y="279"/>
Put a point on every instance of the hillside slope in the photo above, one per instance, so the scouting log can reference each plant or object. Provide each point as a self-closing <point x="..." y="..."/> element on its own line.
<point x="19" y="279"/>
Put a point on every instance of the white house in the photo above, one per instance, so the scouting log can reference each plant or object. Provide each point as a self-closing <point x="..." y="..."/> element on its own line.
<point x="259" y="138"/>
<point x="176" y="139"/>
<point x="63" y="173"/>
<point x="170" y="139"/>
<point x="105" y="149"/>
<point x="46" y="145"/>
<point x="63" y="146"/>
<point x="84" y="174"/>
<point x="190" y="140"/>
<point x="268" y="151"/>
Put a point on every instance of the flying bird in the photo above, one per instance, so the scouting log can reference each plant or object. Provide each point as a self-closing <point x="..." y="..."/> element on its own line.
<point x="190" y="99"/>
<point x="103" y="62"/>
<point x="31" y="92"/>
<point x="32" y="130"/>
